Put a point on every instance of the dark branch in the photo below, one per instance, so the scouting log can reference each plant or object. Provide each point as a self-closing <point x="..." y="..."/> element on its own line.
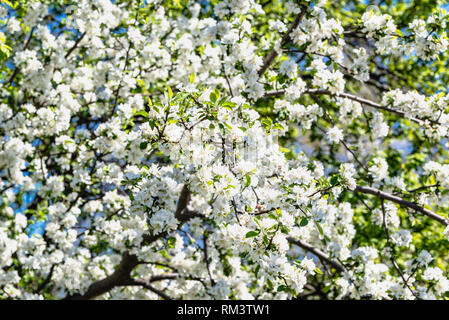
<point x="286" y="38"/>
<point x="75" y="45"/>
<point x="102" y="286"/>
<point x="354" y="98"/>
<point x="320" y="254"/>
<point x="123" y="271"/>
<point x="402" y="202"/>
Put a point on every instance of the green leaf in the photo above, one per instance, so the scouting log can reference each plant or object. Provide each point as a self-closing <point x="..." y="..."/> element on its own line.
<point x="282" y="288"/>
<point x="170" y="93"/>
<point x="320" y="229"/>
<point x="267" y="122"/>
<point x="142" y="113"/>
<point x="228" y="105"/>
<point x="247" y="180"/>
<point x="334" y="180"/>
<point x="278" y="126"/>
<point x="214" y="95"/>
<point x="152" y="124"/>
<point x="252" y="234"/>
<point x="270" y="284"/>
<point x="171" y="241"/>
<point x="192" y="78"/>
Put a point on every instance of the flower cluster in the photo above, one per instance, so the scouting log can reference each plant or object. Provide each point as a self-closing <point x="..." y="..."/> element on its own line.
<point x="221" y="150"/>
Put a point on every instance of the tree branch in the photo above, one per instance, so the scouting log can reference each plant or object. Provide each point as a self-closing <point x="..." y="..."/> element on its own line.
<point x="286" y="38"/>
<point x="145" y="284"/>
<point x="130" y="261"/>
<point x="320" y="254"/>
<point x="206" y="258"/>
<point x="100" y="287"/>
<point x="402" y="202"/>
<point x="391" y="245"/>
<point x="363" y="101"/>
<point x="75" y="45"/>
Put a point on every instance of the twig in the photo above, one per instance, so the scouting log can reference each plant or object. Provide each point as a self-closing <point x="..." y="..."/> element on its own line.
<point x="393" y="261"/>
<point x="354" y="98"/>
<point x="273" y="53"/>
<point x="206" y="258"/>
<point x="402" y="202"/>
<point x="75" y="45"/>
<point x="320" y="254"/>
